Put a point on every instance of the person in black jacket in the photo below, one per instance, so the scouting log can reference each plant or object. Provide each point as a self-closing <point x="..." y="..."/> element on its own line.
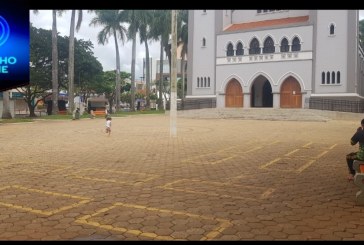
<point x="359" y="155"/>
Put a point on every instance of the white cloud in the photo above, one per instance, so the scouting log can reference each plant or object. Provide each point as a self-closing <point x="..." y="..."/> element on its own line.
<point x="104" y="53"/>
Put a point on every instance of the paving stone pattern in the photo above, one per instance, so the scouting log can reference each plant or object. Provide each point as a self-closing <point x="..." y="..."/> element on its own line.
<point x="219" y="179"/>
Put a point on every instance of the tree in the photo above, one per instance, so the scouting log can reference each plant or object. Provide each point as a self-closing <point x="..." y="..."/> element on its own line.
<point x="361" y="33"/>
<point x="87" y="67"/>
<point x="6" y="105"/>
<point x="54" y="60"/>
<point x="54" y="64"/>
<point x="111" y="20"/>
<point x="40" y="68"/>
<point x="160" y="30"/>
<point x="183" y="41"/>
<point x="107" y="84"/>
<point x="144" y="33"/>
<point x="134" y="18"/>
<point x="71" y="64"/>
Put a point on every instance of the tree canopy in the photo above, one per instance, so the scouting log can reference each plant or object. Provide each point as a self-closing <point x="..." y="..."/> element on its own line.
<point x="87" y="68"/>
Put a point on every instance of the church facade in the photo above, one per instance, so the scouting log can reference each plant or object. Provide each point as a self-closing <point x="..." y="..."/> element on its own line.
<point x="274" y="58"/>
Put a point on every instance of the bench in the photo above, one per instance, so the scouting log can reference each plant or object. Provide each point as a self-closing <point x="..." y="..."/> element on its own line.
<point x="99" y="113"/>
<point x="359" y="180"/>
<point x="62" y="112"/>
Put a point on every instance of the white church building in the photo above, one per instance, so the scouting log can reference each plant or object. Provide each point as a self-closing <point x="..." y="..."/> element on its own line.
<point x="275" y="58"/>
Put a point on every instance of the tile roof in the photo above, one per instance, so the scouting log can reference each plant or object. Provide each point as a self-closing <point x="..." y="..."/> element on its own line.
<point x="266" y="23"/>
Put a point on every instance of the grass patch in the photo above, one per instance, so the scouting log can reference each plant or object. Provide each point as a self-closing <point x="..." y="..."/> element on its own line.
<point x="16" y="120"/>
<point x="69" y="117"/>
<point x="144" y="112"/>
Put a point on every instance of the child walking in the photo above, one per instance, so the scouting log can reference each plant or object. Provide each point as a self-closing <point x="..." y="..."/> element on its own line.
<point x="108" y="125"/>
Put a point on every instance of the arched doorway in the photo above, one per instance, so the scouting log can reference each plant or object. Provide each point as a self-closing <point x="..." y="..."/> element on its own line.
<point x="267" y="95"/>
<point x="234" y="94"/>
<point x="291" y="96"/>
<point x="261" y="93"/>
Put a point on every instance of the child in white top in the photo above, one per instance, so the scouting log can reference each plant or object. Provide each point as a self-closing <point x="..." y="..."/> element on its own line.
<point x="108" y="125"/>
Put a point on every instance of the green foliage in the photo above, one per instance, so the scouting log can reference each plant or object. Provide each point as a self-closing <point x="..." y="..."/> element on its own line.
<point x="15" y="120"/>
<point x="153" y="96"/>
<point x="125" y="97"/>
<point x="88" y="69"/>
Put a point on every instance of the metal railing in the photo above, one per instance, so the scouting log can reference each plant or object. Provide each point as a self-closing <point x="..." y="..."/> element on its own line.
<point x="337" y="105"/>
<point x="189" y="104"/>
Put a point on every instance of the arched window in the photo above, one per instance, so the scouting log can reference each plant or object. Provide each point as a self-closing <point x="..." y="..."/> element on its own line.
<point x="268" y="46"/>
<point x="332" y="29"/>
<point x="230" y="50"/>
<point x="204" y="84"/>
<point x="328" y="77"/>
<point x="323" y="77"/>
<point x="338" y="77"/>
<point x="239" y="49"/>
<point x="254" y="47"/>
<point x="333" y="77"/>
<point x="296" y="45"/>
<point x="198" y="82"/>
<point x="204" y="42"/>
<point x="208" y="82"/>
<point x="284" y="45"/>
<point x="201" y="84"/>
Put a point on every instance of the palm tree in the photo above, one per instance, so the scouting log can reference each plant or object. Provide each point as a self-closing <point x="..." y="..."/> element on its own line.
<point x="144" y="33"/>
<point x="71" y="59"/>
<point x="6" y="106"/>
<point x="134" y="18"/>
<point x="55" y="63"/>
<point x="54" y="60"/>
<point x="160" y="30"/>
<point x="111" y="20"/>
<point x="183" y="41"/>
<point x="130" y="17"/>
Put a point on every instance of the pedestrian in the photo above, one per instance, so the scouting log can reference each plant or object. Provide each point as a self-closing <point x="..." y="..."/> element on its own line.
<point x="108" y="125"/>
<point x="76" y="114"/>
<point x="359" y="155"/>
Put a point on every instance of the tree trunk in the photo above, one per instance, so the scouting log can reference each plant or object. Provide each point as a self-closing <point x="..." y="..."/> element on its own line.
<point x="31" y="109"/>
<point x="160" y="104"/>
<point x="183" y="70"/>
<point x="54" y="66"/>
<point x="167" y="49"/>
<point x="71" y="64"/>
<point x="147" y="73"/>
<point x="132" y="104"/>
<point x="117" y="87"/>
<point x="6" y="105"/>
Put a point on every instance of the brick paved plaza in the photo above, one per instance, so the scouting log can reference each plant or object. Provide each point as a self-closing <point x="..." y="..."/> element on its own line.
<point x="219" y="179"/>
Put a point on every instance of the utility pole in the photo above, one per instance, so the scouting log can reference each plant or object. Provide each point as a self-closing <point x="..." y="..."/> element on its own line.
<point x="173" y="99"/>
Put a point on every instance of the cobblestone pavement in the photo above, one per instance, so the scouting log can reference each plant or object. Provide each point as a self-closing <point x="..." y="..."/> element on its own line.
<point x="219" y="179"/>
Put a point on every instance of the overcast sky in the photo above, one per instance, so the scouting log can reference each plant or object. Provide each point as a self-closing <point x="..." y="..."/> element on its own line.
<point x="104" y="53"/>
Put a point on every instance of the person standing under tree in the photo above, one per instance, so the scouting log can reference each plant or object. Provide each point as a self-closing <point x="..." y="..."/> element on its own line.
<point x="359" y="155"/>
<point x="108" y="125"/>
